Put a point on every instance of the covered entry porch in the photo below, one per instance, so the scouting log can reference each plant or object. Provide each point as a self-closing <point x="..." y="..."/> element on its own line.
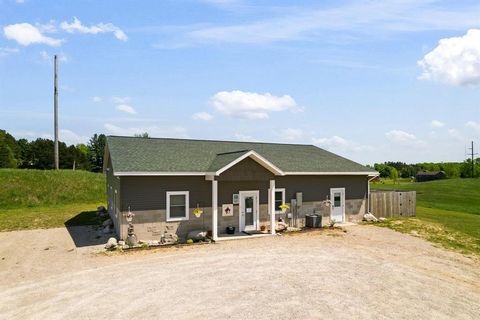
<point x="243" y="198"/>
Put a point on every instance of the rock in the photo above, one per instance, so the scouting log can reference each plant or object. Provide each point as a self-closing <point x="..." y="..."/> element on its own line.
<point x="280" y="226"/>
<point x="369" y="217"/>
<point x="121" y="243"/>
<point x="101" y="209"/>
<point x="106" y="229"/>
<point x="111" y="244"/>
<point x="293" y="229"/>
<point x="107" y="222"/>
<point x="169" y="238"/>
<point x="382" y="219"/>
<point x="131" y="240"/>
<point x="197" y="235"/>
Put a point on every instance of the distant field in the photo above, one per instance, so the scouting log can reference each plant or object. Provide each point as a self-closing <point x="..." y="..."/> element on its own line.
<point x="32" y="199"/>
<point x="449" y="194"/>
<point x="448" y="212"/>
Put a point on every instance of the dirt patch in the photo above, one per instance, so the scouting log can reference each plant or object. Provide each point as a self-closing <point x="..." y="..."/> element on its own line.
<point x="367" y="272"/>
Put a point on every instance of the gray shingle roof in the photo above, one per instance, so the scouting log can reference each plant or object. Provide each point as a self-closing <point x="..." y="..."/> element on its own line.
<point x="149" y="155"/>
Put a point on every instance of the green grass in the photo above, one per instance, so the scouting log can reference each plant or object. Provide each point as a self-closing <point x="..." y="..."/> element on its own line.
<point x="448" y="194"/>
<point x="31" y="199"/>
<point x="448" y="213"/>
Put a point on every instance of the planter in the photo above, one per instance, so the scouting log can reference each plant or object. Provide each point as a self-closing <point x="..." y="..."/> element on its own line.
<point x="230" y="230"/>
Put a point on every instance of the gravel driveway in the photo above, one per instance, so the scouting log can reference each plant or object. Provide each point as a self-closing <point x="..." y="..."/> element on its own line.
<point x="365" y="273"/>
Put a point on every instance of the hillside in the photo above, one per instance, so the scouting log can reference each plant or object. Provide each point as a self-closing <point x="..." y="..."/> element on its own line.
<point x="448" y="194"/>
<point x="47" y="198"/>
<point x="448" y="212"/>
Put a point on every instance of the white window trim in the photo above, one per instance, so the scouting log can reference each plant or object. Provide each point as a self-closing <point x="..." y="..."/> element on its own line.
<point x="187" y="205"/>
<point x="273" y="202"/>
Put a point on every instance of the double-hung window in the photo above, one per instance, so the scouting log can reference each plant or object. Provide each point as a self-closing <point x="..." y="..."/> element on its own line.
<point x="279" y="199"/>
<point x="177" y="205"/>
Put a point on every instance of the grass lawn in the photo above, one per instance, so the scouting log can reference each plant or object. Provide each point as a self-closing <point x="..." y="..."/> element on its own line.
<point x="448" y="213"/>
<point x="31" y="199"/>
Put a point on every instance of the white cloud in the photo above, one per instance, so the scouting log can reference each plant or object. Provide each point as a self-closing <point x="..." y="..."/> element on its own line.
<point x="454" y="61"/>
<point x="70" y="137"/>
<point x="97" y="99"/>
<point x="244" y="137"/>
<point x="77" y="26"/>
<point x="26" y="34"/>
<point x="49" y="57"/>
<point x="341" y="145"/>
<point x="437" y="124"/>
<point x="291" y="134"/>
<point x="7" y="51"/>
<point x="121" y="100"/>
<point x="205" y="116"/>
<point x="473" y="125"/>
<point x="153" y="131"/>
<point x="126" y="108"/>
<point x="454" y="133"/>
<point x="251" y="105"/>
<point x="401" y="137"/>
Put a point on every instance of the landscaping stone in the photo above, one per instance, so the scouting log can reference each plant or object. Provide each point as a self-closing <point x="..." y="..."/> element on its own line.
<point x="197" y="235"/>
<point x="111" y="244"/>
<point x="369" y="217"/>
<point x="106" y="229"/>
<point x="107" y="222"/>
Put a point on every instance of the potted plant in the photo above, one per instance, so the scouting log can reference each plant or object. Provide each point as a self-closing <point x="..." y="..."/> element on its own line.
<point x="197" y="212"/>
<point x="284" y="207"/>
<point x="230" y="230"/>
<point x="263" y="227"/>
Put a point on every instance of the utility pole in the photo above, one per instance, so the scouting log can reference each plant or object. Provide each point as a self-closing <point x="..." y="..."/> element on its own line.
<point x="473" y="160"/>
<point x="55" y="106"/>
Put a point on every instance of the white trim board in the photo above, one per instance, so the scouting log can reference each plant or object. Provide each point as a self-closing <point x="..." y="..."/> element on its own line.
<point x="257" y="158"/>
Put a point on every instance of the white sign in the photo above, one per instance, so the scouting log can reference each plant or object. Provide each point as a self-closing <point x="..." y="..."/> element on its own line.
<point x="235" y="198"/>
<point x="227" y="210"/>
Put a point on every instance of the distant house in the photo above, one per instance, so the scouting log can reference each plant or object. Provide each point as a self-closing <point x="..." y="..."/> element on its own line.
<point x="430" y="175"/>
<point x="165" y="181"/>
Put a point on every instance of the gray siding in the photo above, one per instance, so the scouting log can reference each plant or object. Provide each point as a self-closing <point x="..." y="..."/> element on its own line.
<point x="150" y="193"/>
<point x="246" y="170"/>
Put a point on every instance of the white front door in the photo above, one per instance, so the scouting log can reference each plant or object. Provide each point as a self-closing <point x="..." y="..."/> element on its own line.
<point x="249" y="203"/>
<point x="337" y="196"/>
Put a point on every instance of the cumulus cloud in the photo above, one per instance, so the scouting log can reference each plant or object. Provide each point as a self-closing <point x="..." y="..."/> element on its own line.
<point x="121" y="100"/>
<point x="437" y="124"/>
<point x="26" y="34"/>
<point x="454" y="61"/>
<point x="77" y="26"/>
<point x="97" y="99"/>
<point x="473" y="125"/>
<point x="291" y="134"/>
<point x="7" y="51"/>
<point x="153" y="131"/>
<point x="339" y="144"/>
<point x="251" y="105"/>
<point x="205" y="116"/>
<point x="126" y="108"/>
<point x="402" y="137"/>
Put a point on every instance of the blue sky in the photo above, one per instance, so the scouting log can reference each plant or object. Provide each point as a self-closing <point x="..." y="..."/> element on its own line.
<point x="370" y="80"/>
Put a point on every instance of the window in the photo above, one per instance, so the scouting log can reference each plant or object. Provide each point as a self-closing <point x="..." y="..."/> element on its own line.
<point x="279" y="199"/>
<point x="177" y="205"/>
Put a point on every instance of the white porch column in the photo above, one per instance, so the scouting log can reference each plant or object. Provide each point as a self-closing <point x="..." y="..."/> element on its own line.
<point x="272" y="206"/>
<point x="214" y="210"/>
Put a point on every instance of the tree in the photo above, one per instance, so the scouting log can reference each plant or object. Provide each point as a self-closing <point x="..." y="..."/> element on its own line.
<point x="141" y="135"/>
<point x="96" y="148"/>
<point x="393" y="173"/>
<point x="7" y="159"/>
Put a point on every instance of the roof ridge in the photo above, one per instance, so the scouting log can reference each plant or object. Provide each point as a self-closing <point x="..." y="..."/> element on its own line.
<point x="211" y="140"/>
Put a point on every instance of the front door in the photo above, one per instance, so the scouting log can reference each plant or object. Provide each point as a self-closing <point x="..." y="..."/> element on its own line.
<point x="337" y="196"/>
<point x="249" y="201"/>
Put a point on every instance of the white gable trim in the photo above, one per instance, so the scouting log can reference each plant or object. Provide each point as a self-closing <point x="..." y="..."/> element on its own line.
<point x="257" y="158"/>
<point x="360" y="173"/>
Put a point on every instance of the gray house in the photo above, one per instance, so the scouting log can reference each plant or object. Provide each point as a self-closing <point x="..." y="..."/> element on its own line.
<point x="180" y="185"/>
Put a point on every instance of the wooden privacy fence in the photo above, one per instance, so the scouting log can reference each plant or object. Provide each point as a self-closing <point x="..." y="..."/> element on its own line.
<point x="389" y="204"/>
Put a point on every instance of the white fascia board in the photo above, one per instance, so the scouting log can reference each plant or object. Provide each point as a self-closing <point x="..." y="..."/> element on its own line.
<point x="330" y="173"/>
<point x="134" y="173"/>
<point x="258" y="158"/>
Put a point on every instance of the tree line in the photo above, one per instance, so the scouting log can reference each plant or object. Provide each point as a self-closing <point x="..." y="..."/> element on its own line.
<point x="38" y="154"/>
<point x="394" y="170"/>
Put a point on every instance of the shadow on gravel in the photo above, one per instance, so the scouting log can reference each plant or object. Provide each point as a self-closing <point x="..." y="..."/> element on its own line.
<point x="84" y="228"/>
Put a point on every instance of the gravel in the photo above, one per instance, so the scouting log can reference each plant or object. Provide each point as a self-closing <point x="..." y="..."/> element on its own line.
<point x="365" y="273"/>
